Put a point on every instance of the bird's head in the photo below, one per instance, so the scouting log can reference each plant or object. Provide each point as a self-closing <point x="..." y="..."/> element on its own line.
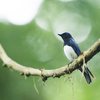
<point x="65" y="35"/>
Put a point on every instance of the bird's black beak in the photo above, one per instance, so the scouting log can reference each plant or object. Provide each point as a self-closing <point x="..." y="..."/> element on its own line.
<point x="59" y="34"/>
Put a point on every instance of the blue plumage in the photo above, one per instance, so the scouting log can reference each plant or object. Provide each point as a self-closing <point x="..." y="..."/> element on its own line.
<point x="72" y="51"/>
<point x="75" y="46"/>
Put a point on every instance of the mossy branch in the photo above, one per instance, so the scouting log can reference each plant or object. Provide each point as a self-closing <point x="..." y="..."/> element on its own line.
<point x="8" y="62"/>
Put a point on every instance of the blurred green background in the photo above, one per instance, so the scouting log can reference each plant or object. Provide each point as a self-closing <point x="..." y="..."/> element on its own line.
<point x="36" y="44"/>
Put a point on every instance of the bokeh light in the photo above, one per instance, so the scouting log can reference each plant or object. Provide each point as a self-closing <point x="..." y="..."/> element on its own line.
<point x="29" y="35"/>
<point x="64" y="20"/>
<point x="19" y="12"/>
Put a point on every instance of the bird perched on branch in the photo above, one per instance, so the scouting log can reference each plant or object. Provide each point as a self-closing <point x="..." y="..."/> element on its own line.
<point x="72" y="51"/>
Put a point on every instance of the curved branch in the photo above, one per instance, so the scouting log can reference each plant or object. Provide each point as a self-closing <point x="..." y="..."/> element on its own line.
<point x="8" y="62"/>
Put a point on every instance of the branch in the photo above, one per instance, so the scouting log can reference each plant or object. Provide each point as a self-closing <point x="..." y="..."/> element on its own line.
<point x="8" y="62"/>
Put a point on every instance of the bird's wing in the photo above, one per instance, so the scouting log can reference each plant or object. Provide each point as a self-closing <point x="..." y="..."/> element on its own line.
<point x="75" y="46"/>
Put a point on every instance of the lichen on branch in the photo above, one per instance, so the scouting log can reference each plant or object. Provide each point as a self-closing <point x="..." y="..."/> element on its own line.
<point x="8" y="62"/>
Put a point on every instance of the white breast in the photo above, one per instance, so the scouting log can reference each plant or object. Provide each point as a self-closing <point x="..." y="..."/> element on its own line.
<point x="69" y="52"/>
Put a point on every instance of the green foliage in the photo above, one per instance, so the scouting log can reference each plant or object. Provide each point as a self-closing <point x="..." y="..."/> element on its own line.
<point x="38" y="46"/>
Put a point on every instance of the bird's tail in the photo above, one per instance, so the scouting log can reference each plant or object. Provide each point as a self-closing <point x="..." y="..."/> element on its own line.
<point x="90" y="73"/>
<point x="86" y="74"/>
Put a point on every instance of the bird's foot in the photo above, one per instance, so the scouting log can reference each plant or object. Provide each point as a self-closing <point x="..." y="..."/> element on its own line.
<point x="70" y="63"/>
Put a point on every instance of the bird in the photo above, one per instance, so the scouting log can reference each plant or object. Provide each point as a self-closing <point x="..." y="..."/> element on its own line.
<point x="72" y="51"/>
